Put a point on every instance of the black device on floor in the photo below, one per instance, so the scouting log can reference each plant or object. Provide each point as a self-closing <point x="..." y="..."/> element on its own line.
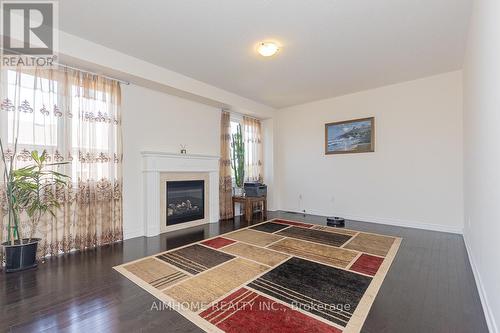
<point x="335" y="221"/>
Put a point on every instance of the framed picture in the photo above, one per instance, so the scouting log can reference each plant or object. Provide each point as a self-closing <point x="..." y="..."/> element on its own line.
<point x="350" y="136"/>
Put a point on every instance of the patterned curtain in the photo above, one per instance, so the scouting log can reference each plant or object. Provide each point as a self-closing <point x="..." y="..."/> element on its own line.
<point x="75" y="118"/>
<point x="225" y="182"/>
<point x="254" y="170"/>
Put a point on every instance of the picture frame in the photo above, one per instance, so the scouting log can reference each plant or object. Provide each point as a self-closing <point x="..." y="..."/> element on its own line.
<point x="350" y="136"/>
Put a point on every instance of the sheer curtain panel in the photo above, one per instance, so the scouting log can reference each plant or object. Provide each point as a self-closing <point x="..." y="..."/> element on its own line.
<point x="225" y="181"/>
<point x="75" y="117"/>
<point x="254" y="170"/>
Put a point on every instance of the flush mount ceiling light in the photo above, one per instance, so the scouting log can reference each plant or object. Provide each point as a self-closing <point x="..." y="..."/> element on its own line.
<point x="267" y="49"/>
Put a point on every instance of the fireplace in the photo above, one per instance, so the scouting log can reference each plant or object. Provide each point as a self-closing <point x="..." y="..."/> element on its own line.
<point x="158" y="169"/>
<point x="185" y="201"/>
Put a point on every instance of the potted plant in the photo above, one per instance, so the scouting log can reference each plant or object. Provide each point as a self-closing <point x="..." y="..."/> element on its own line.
<point x="238" y="160"/>
<point x="28" y="189"/>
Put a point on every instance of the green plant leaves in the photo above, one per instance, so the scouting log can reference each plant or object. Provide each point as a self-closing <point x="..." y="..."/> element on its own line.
<point x="238" y="156"/>
<point x="31" y="188"/>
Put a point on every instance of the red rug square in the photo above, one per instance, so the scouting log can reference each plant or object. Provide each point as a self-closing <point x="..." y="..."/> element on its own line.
<point x="249" y="312"/>
<point x="218" y="242"/>
<point x="367" y="264"/>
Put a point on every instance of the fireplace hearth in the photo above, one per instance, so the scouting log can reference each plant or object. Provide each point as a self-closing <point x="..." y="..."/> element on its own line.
<point x="185" y="201"/>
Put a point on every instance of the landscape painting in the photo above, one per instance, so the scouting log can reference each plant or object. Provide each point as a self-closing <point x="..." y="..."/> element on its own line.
<point x="351" y="136"/>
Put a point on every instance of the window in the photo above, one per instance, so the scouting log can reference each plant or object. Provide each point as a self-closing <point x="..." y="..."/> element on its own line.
<point x="35" y="128"/>
<point x="71" y="115"/>
<point x="253" y="149"/>
<point x="93" y="139"/>
<point x="251" y="130"/>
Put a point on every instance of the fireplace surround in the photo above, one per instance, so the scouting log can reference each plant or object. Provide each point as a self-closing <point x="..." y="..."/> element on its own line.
<point x="158" y="168"/>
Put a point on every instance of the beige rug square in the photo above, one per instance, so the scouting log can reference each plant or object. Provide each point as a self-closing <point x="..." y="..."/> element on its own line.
<point x="200" y="291"/>
<point x="259" y="254"/>
<point x="258" y="238"/>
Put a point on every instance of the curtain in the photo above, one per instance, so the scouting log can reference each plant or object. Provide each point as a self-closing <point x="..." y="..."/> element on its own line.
<point x="75" y="117"/>
<point x="225" y="181"/>
<point x="252" y="136"/>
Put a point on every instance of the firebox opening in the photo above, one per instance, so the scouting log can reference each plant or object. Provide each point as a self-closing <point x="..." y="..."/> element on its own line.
<point x="185" y="201"/>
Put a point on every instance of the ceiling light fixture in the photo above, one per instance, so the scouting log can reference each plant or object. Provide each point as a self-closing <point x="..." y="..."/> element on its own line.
<point x="267" y="49"/>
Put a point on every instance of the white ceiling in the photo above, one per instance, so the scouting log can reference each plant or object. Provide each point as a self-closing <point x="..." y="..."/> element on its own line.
<point x="329" y="47"/>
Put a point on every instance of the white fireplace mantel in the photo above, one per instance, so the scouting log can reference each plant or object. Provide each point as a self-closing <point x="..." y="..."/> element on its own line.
<point x="155" y="163"/>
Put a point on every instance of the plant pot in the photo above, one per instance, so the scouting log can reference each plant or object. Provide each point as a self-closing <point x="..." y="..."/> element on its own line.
<point x="238" y="191"/>
<point x="19" y="257"/>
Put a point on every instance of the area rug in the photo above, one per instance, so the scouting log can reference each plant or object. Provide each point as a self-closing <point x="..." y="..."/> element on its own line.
<point x="276" y="276"/>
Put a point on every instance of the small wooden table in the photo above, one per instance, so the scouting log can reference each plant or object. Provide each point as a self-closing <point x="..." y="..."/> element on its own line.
<point x="248" y="202"/>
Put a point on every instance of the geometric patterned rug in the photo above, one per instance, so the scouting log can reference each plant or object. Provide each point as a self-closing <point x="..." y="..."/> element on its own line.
<point x="276" y="276"/>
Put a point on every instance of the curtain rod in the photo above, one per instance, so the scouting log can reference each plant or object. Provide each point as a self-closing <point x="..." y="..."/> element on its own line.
<point x="86" y="71"/>
<point x="241" y="114"/>
<point x="83" y="70"/>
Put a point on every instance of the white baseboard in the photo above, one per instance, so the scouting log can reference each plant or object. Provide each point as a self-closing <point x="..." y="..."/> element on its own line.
<point x="488" y="313"/>
<point x="391" y="221"/>
<point x="127" y="234"/>
<point x="408" y="224"/>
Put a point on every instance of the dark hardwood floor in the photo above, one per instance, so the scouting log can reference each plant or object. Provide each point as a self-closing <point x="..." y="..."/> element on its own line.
<point x="429" y="288"/>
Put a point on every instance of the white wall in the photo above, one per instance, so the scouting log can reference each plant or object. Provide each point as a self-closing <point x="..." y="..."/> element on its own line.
<point x="413" y="178"/>
<point x="268" y="156"/>
<point x="156" y="121"/>
<point x="482" y="153"/>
